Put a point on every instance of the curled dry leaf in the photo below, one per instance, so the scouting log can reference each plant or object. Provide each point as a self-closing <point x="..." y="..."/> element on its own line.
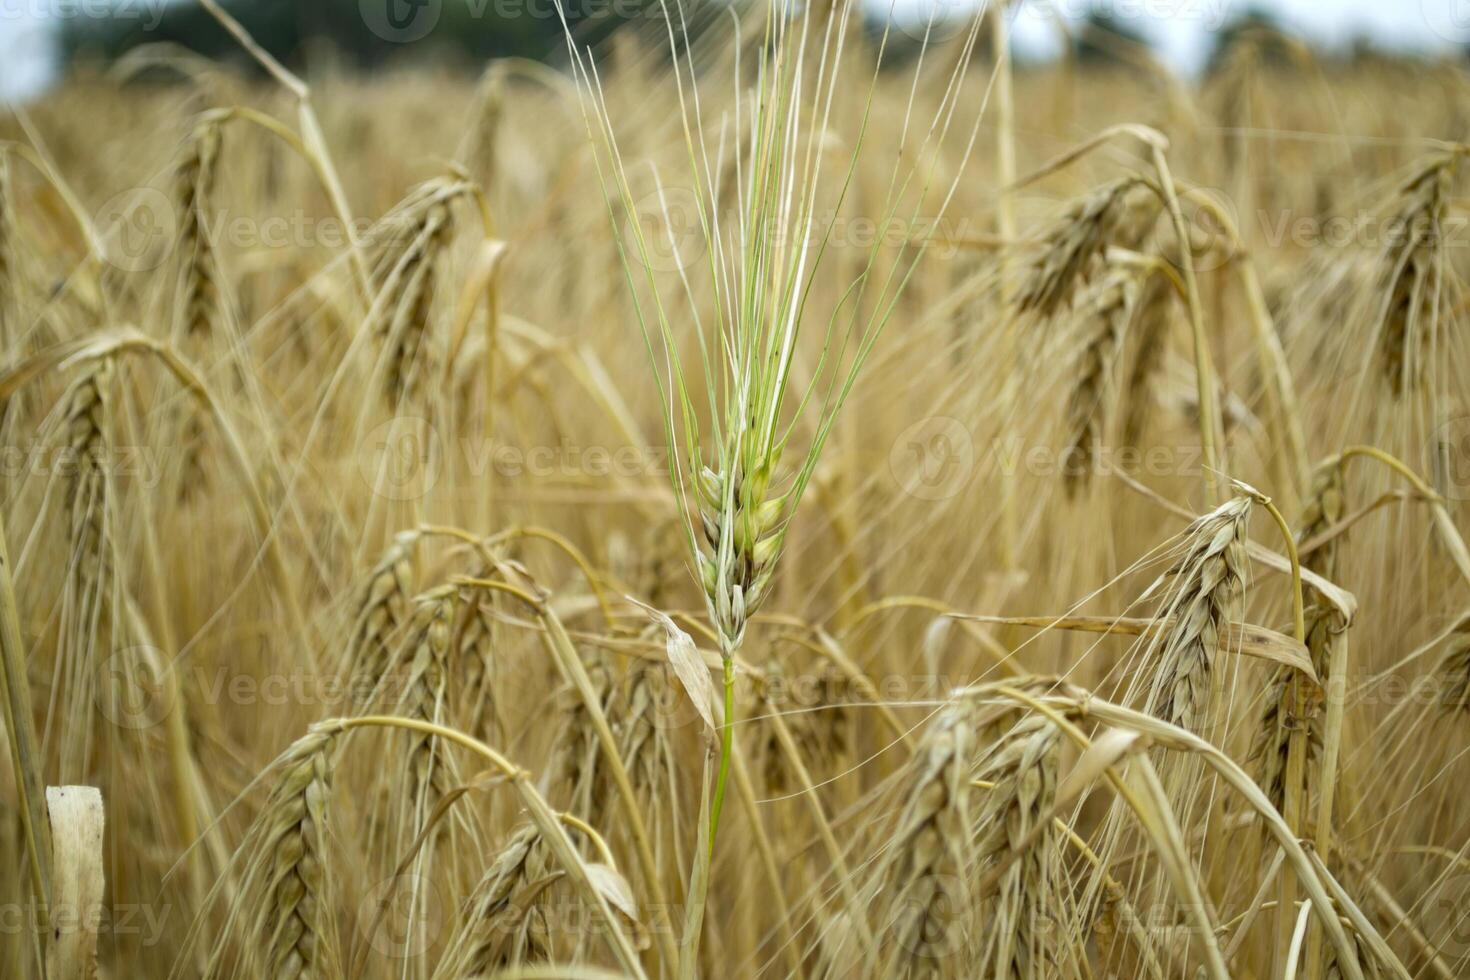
<point x="688" y="666"/>
<point x="619" y="894"/>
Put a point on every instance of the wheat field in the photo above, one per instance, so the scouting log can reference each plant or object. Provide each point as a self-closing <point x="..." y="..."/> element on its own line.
<point x="758" y="497"/>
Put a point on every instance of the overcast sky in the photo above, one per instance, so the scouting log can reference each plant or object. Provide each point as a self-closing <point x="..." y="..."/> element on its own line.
<point x="1179" y="28"/>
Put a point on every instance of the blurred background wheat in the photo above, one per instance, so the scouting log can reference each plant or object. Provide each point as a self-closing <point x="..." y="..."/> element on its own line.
<point x="411" y="610"/>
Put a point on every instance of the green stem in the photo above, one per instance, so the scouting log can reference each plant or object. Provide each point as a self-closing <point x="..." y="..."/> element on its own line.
<point x="727" y="738"/>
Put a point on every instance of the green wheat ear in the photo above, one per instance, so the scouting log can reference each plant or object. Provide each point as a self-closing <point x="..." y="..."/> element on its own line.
<point x="738" y="478"/>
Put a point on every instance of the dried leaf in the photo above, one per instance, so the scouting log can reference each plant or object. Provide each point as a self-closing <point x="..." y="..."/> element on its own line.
<point x="688" y="665"/>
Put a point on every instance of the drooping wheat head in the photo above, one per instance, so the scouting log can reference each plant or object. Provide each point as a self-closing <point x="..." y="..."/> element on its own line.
<point x="583" y="779"/>
<point x="84" y="434"/>
<point x="1271" y="745"/>
<point x="1454" y="671"/>
<point x="1151" y="320"/>
<point x="285" y="899"/>
<point x="1324" y="626"/>
<point x="925" y="900"/>
<point x="1071" y="250"/>
<point x="475" y="660"/>
<point x="643" y="733"/>
<point x="426" y="692"/>
<point x="501" y="924"/>
<point x="413" y="242"/>
<point x="1410" y="271"/>
<point x="199" y="293"/>
<point x="1208" y="582"/>
<point x="799" y="718"/>
<point x="381" y="615"/>
<point x="1089" y="403"/>
<point x="1024" y="910"/>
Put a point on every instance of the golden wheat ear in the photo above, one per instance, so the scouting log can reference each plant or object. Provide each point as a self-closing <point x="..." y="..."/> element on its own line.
<point x="924" y="912"/>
